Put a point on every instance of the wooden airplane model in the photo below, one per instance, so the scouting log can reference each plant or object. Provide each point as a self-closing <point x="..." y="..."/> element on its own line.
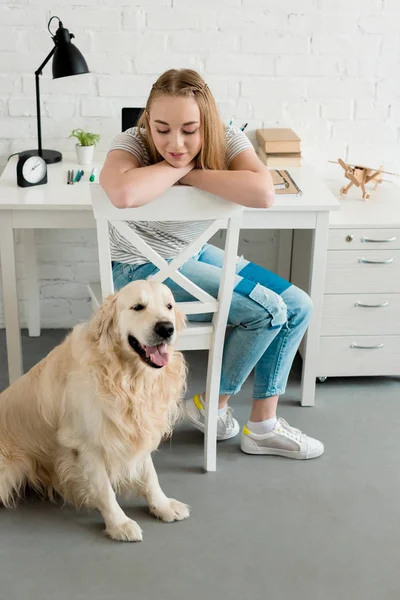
<point x="360" y="176"/>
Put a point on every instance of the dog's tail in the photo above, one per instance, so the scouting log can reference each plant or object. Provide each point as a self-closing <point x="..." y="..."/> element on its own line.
<point x="16" y="471"/>
<point x="13" y="476"/>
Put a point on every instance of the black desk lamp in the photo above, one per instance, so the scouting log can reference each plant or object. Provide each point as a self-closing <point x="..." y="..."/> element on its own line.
<point x="67" y="61"/>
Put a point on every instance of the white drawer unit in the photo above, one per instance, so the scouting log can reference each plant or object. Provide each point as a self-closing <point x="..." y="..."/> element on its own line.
<point x="359" y="355"/>
<point x="366" y="271"/>
<point x="364" y="239"/>
<point x="360" y="328"/>
<point x="360" y="314"/>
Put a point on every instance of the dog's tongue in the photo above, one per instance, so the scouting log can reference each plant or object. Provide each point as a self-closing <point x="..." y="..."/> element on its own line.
<point x="158" y="354"/>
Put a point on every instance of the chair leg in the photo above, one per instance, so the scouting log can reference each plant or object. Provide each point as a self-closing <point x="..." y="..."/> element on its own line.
<point x="210" y="429"/>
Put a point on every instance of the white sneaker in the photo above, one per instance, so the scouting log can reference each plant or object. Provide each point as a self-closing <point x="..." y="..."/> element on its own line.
<point x="283" y="440"/>
<point x="227" y="426"/>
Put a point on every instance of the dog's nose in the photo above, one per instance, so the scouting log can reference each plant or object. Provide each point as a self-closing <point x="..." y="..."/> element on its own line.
<point x="164" y="329"/>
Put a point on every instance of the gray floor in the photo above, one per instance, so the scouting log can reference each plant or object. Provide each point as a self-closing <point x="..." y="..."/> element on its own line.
<point x="261" y="527"/>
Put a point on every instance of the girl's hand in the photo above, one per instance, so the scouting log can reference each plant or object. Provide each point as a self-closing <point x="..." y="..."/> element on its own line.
<point x="182" y="181"/>
<point x="185" y="179"/>
<point x="185" y="170"/>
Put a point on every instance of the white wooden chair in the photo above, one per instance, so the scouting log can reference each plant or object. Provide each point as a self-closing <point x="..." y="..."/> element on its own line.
<point x="180" y="203"/>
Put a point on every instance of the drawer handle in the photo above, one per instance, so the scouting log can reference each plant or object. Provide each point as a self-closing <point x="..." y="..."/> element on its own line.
<point x="354" y="345"/>
<point x="392" y="239"/>
<point x="372" y="305"/>
<point x="366" y="261"/>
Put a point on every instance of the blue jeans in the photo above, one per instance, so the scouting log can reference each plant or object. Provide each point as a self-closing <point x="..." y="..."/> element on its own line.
<point x="268" y="316"/>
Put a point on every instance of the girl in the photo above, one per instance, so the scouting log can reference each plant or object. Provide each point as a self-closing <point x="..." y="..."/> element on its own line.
<point x="180" y="139"/>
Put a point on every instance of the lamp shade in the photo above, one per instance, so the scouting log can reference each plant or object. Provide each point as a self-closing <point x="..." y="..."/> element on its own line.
<point x="67" y="59"/>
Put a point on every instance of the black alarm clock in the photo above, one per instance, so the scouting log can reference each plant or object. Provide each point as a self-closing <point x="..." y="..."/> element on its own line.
<point x="31" y="170"/>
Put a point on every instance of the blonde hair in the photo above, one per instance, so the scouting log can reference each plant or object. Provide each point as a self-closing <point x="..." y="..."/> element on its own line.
<point x="186" y="82"/>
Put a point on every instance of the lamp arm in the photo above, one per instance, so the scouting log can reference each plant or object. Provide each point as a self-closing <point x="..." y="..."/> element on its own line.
<point x="46" y="60"/>
<point x="37" y="73"/>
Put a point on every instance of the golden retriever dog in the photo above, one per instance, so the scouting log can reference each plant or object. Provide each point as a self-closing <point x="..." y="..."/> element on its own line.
<point x="83" y="422"/>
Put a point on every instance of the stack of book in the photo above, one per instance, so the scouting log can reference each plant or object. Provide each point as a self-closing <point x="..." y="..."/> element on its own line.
<point x="279" y="147"/>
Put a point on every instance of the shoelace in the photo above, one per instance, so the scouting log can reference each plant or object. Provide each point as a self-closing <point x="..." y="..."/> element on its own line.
<point x="292" y="432"/>
<point x="228" y="417"/>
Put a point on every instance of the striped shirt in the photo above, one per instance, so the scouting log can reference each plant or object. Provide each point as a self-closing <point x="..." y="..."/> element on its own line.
<point x="167" y="238"/>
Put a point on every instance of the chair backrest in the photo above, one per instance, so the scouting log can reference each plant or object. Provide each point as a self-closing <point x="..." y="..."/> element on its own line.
<point x="130" y="117"/>
<point x="179" y="203"/>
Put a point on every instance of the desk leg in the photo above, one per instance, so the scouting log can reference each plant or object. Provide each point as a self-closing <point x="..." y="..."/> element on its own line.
<point x="285" y="253"/>
<point x="316" y="291"/>
<point x="10" y="297"/>
<point x="32" y="282"/>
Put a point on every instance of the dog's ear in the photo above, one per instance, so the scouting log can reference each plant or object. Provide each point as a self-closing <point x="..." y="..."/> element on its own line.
<point x="103" y="321"/>
<point x="180" y="319"/>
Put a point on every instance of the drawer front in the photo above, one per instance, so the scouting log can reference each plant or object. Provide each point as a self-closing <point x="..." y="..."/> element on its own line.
<point x="364" y="239"/>
<point x="361" y="314"/>
<point x="367" y="272"/>
<point x="338" y="358"/>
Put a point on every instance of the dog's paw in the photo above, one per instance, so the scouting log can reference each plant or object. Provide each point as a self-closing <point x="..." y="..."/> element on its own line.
<point x="128" y="531"/>
<point x="173" y="510"/>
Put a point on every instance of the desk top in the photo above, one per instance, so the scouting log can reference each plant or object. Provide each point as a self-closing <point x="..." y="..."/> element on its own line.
<point x="381" y="210"/>
<point x="58" y="195"/>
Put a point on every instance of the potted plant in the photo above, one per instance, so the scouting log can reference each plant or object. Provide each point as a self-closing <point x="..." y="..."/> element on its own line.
<point x="85" y="145"/>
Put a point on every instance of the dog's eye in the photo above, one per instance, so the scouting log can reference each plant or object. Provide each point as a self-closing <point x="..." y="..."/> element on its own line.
<point x="169" y="306"/>
<point x="138" y="307"/>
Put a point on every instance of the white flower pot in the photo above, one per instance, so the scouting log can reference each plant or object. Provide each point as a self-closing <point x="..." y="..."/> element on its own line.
<point x="84" y="154"/>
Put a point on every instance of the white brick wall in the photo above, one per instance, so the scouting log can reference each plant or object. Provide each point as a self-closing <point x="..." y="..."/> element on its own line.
<point x="327" y="68"/>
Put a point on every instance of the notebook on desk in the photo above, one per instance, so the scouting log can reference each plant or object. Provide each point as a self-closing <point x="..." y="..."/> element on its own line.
<point x="284" y="184"/>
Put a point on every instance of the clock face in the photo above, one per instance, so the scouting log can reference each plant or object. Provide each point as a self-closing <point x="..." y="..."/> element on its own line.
<point x="34" y="169"/>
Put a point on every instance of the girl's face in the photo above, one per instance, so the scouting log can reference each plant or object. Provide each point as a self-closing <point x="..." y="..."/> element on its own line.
<point x="175" y="127"/>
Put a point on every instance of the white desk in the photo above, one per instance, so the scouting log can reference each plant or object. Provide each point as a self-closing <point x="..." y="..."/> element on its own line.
<point x="57" y="205"/>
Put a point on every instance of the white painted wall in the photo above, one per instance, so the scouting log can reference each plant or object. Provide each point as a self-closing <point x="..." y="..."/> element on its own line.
<point x="327" y="68"/>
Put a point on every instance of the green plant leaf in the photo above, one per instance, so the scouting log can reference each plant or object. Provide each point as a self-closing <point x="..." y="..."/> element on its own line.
<point x="85" y="138"/>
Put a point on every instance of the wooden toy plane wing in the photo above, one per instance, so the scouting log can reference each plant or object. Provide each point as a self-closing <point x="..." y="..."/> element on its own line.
<point x="363" y="167"/>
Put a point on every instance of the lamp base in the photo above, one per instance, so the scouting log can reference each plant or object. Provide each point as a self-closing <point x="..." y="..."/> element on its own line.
<point x="49" y="156"/>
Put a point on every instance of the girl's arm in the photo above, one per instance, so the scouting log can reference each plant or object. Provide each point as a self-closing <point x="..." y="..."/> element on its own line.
<point x="247" y="182"/>
<point x="128" y="185"/>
